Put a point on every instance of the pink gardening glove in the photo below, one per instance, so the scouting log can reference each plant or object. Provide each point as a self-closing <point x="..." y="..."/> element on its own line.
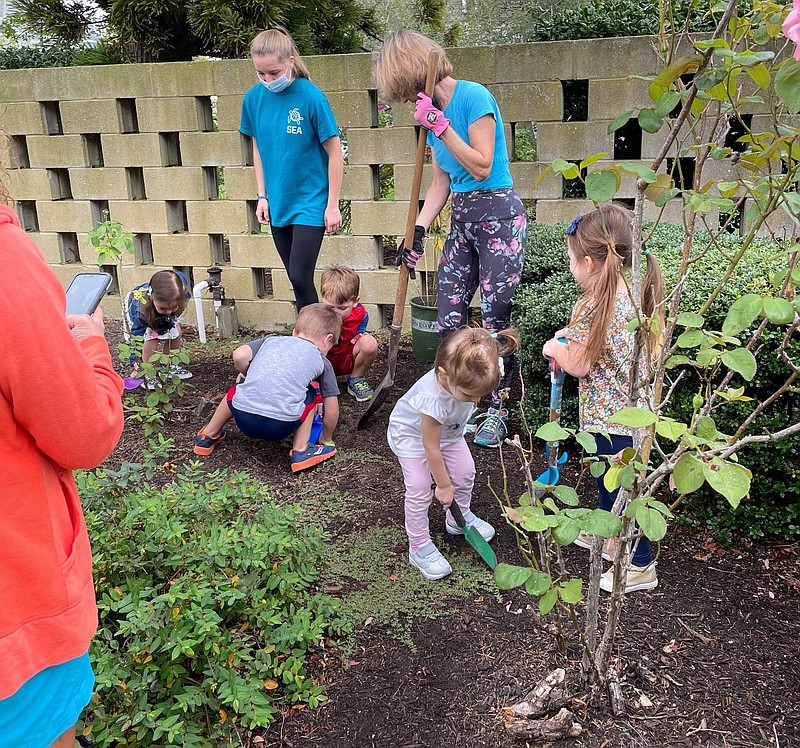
<point x="429" y="116"/>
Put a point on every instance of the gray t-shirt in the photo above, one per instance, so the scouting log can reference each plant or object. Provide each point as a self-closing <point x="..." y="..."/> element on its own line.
<point x="278" y="378"/>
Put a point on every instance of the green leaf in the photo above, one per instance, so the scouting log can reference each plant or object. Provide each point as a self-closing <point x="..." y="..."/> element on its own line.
<point x="153" y="399"/>
<point x="597" y="469"/>
<point x="649" y="121"/>
<point x="565" y="532"/>
<point x="652" y="522"/>
<point x="729" y="479"/>
<point x="707" y="357"/>
<point x="644" y="173"/>
<point x="671" y="430"/>
<point x="636" y="418"/>
<point x="690" y="319"/>
<point x="566" y="495"/>
<point x="570" y="591"/>
<point x="667" y="103"/>
<point x="587" y="441"/>
<point x="567" y="169"/>
<point x="611" y="480"/>
<point x="547" y="601"/>
<point x="741" y="361"/>
<point x="507" y="577"/>
<point x="742" y="313"/>
<point x="778" y="311"/>
<point x="688" y="474"/>
<point x="551" y="432"/>
<point x="620" y="121"/>
<point x="760" y="75"/>
<point x="602" y="185"/>
<point x="706" y="428"/>
<point x="666" y="196"/>
<point x="525" y="499"/>
<point x="674" y="361"/>
<point x="787" y="85"/>
<point x="538" y="583"/>
<point x="591" y="159"/>
<point x="603" y="523"/>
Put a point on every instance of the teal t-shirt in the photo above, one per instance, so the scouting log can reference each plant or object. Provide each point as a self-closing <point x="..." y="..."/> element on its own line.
<point x="469" y="103"/>
<point x="290" y="128"/>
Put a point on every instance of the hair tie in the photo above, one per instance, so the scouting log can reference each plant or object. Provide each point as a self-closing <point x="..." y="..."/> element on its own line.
<point x="149" y="291"/>
<point x="494" y="335"/>
<point x="646" y="252"/>
<point x="500" y="363"/>
<point x="573" y="227"/>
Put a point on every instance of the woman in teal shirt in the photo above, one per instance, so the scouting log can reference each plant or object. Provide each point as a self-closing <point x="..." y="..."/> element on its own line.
<point x="297" y="157"/>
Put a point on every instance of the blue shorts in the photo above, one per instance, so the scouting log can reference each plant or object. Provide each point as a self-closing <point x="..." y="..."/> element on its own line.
<point x="46" y="705"/>
<point x="271" y="429"/>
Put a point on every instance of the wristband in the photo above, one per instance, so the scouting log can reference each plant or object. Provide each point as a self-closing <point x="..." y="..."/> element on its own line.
<point x="261" y="197"/>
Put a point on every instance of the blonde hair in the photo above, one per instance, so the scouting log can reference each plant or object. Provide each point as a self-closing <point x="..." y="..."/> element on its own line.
<point x="402" y="63"/>
<point x="606" y="235"/>
<point x="316" y="321"/>
<point x="470" y="357"/>
<point x="339" y="284"/>
<point x="278" y="42"/>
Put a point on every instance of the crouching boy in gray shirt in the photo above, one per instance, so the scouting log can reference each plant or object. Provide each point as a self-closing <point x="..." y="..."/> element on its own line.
<point x="283" y="381"/>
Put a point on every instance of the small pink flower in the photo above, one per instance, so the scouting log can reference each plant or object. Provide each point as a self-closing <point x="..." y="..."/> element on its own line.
<point x="791" y="27"/>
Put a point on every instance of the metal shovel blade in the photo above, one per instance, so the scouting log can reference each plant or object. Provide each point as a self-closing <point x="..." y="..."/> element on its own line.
<point x="474" y="538"/>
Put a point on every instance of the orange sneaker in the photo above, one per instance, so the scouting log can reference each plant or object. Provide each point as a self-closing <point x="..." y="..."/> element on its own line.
<point x="204" y="444"/>
<point x="312" y="455"/>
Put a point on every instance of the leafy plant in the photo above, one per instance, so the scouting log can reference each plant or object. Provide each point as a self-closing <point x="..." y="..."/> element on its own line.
<point x="207" y="604"/>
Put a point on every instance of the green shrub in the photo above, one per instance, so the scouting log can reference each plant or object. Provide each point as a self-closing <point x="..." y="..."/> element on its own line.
<point x="207" y="609"/>
<point x="14" y="58"/>
<point x="543" y="303"/>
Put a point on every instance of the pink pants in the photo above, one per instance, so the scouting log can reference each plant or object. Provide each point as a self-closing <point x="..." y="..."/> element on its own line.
<point x="419" y="494"/>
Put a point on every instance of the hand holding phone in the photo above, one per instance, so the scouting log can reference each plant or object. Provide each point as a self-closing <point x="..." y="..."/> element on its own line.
<point x="87" y="325"/>
<point x="86" y="291"/>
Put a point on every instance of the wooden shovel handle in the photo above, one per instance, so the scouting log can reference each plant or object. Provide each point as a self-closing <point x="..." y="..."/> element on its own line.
<point x="413" y="205"/>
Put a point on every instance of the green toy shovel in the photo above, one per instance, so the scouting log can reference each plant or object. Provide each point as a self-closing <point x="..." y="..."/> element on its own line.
<point x="474" y="538"/>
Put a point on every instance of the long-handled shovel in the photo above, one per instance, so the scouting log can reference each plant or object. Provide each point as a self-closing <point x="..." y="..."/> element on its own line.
<point x="474" y="538"/>
<point x="551" y="475"/>
<point x="402" y="284"/>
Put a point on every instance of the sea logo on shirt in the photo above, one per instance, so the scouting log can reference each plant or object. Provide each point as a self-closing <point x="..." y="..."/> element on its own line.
<point x="293" y="122"/>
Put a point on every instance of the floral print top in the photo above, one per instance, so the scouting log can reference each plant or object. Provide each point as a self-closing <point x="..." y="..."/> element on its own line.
<point x="604" y="390"/>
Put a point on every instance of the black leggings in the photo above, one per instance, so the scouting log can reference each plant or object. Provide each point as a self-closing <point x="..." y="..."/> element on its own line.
<point x="298" y="247"/>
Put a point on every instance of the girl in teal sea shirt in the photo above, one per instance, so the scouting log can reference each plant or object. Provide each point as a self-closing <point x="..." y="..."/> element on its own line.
<point x="297" y="157"/>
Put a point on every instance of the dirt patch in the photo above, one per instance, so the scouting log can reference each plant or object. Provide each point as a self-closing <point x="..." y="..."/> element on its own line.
<point x="721" y="631"/>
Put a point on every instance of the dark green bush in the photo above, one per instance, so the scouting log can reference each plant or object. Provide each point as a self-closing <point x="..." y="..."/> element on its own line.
<point x="207" y="607"/>
<point x="14" y="58"/>
<point x="543" y="304"/>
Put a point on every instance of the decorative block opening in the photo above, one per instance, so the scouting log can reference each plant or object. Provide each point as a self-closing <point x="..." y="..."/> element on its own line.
<point x="628" y="202"/>
<point x="143" y="249"/>
<point x="134" y="178"/>
<point x="530" y="208"/>
<point x="682" y="171"/>
<point x="100" y="211"/>
<point x="387" y="249"/>
<point x="374" y="107"/>
<point x="60" y="187"/>
<point x="92" y="149"/>
<point x="51" y="117"/>
<point x="346" y="209"/>
<point x="385" y="314"/>
<point x="686" y="80"/>
<point x="523" y="141"/>
<point x="170" y="144"/>
<point x="343" y="144"/>
<point x="382" y="181"/>
<point x="262" y="283"/>
<point x="68" y="248"/>
<point x="732" y="222"/>
<point x="114" y="286"/>
<point x="127" y="116"/>
<point x="20" y="158"/>
<point x="253" y="226"/>
<point x="214" y="181"/>
<point x="177" y="220"/>
<point x="738" y="128"/>
<point x="574" y="188"/>
<point x="628" y="141"/>
<point x="28" y="217"/>
<point x="247" y="149"/>
<point x="188" y="272"/>
<point x="220" y="249"/>
<point x="575" y="96"/>
<point x="785" y="170"/>
<point x="206" y="113"/>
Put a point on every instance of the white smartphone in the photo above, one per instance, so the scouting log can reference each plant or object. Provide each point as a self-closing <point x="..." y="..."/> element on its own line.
<point x="86" y="291"/>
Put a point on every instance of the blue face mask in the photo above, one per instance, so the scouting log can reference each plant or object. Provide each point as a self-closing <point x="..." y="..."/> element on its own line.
<point x="278" y="85"/>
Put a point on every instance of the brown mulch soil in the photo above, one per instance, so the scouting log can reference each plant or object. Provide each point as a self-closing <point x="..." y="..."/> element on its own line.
<point x="721" y="631"/>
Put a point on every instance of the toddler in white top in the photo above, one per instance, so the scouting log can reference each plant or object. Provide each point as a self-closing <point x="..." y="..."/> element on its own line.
<point x="426" y="432"/>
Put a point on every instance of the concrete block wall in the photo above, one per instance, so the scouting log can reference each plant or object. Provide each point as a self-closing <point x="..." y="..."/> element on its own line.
<point x="151" y="144"/>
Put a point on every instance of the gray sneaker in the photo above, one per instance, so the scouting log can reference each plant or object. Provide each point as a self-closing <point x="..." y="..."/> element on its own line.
<point x="431" y="563"/>
<point x="493" y="429"/>
<point x="474" y="421"/>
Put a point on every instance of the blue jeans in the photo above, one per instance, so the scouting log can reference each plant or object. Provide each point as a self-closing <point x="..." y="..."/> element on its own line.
<point x="606" y="499"/>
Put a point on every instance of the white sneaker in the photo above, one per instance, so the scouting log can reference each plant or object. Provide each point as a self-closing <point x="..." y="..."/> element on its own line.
<point x="472" y="520"/>
<point x="639" y="578"/>
<point x="431" y="563"/>
<point x="180" y="372"/>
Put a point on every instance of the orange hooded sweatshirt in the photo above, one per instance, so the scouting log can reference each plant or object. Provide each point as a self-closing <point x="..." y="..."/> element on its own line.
<point x="60" y="410"/>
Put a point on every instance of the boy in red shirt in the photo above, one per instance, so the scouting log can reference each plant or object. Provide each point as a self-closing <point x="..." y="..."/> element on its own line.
<point x="356" y="349"/>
